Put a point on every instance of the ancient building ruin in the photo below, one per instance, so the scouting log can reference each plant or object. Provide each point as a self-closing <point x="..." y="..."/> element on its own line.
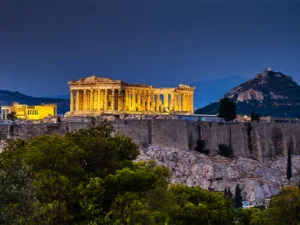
<point x="95" y="95"/>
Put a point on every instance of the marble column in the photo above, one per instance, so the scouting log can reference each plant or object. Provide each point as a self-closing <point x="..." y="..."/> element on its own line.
<point x="130" y="100"/>
<point x="113" y="91"/>
<point x="190" y="104"/>
<point x="157" y="102"/>
<point x="166" y="102"/>
<point x="98" y="99"/>
<point x="180" y="102"/>
<point x="142" y="100"/>
<point x="172" y="102"/>
<point x="92" y="99"/>
<point x="120" y="100"/>
<point x="84" y="100"/>
<point x="105" y="100"/>
<point x="77" y="100"/>
<point x="71" y="101"/>
<point x="138" y="100"/>
<point x="134" y="100"/>
<point x="148" y="100"/>
<point x="183" y="102"/>
<point x="126" y="99"/>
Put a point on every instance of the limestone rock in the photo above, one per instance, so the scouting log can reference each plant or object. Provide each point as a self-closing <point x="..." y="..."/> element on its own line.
<point x="258" y="179"/>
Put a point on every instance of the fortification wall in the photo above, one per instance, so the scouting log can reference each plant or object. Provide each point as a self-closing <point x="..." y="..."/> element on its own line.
<point x="260" y="141"/>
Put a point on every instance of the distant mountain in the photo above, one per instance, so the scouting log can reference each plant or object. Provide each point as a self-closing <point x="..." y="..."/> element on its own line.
<point x="8" y="97"/>
<point x="269" y="93"/>
<point x="59" y="96"/>
<point x="208" y="91"/>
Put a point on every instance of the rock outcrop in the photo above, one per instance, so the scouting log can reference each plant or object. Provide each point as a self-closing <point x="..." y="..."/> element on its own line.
<point x="270" y="93"/>
<point x="267" y="86"/>
<point x="258" y="180"/>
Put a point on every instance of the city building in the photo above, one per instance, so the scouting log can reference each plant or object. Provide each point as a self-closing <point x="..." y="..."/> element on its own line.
<point x="95" y="95"/>
<point x="23" y="111"/>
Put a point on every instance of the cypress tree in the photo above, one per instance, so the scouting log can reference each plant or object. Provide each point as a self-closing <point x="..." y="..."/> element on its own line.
<point x="289" y="165"/>
<point x="227" y="109"/>
<point x="225" y="192"/>
<point x="229" y="193"/>
<point x="238" y="197"/>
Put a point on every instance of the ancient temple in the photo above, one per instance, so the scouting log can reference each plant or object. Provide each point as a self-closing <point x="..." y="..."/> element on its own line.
<point x="95" y="95"/>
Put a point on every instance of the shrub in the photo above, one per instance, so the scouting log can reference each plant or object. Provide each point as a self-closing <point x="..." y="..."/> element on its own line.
<point x="201" y="147"/>
<point x="225" y="150"/>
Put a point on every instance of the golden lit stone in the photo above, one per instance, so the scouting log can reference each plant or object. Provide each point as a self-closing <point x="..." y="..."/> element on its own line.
<point x="23" y="111"/>
<point x="95" y="95"/>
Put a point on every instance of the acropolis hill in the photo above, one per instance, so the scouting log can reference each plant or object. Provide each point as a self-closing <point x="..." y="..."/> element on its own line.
<point x="259" y="150"/>
<point x="96" y="95"/>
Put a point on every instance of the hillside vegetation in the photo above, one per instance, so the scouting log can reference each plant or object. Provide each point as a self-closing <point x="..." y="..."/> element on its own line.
<point x="89" y="177"/>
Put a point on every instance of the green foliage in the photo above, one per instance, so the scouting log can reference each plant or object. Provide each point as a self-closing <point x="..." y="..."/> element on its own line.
<point x="58" y="165"/>
<point x="283" y="209"/>
<point x="261" y="207"/>
<point x="228" y="193"/>
<point x="201" y="147"/>
<point x="227" y="109"/>
<point x="89" y="177"/>
<point x="238" y="197"/>
<point x="243" y="216"/>
<point x="198" y="206"/>
<point x="225" y="150"/>
<point x="289" y="164"/>
<point x="17" y="197"/>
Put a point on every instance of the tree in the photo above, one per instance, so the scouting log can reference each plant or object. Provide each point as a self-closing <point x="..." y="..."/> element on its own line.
<point x="59" y="164"/>
<point x="230" y="195"/>
<point x="89" y="177"/>
<point x="195" y="206"/>
<point x="201" y="147"/>
<point x="11" y="116"/>
<point x="289" y="164"/>
<point x="227" y="109"/>
<point x="225" y="192"/>
<point x="283" y="209"/>
<point x="254" y="117"/>
<point x="225" y="150"/>
<point x="238" y="197"/>
<point x="17" y="197"/>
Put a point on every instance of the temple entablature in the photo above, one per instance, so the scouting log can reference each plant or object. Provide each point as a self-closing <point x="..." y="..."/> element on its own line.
<point x="95" y="95"/>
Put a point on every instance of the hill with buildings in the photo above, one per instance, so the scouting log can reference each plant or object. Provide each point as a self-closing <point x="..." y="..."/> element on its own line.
<point x="270" y="93"/>
<point x="8" y="97"/>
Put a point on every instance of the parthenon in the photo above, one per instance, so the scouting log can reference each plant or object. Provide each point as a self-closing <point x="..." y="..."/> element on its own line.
<point x="96" y="95"/>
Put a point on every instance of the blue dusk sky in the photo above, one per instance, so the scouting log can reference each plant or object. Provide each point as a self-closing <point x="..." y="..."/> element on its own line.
<point x="45" y="43"/>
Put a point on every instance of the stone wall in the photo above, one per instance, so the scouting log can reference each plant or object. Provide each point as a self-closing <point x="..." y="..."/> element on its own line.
<point x="259" y="141"/>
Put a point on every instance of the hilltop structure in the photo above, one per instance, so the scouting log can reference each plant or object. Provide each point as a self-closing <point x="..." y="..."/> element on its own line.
<point x="23" y="111"/>
<point x="95" y="95"/>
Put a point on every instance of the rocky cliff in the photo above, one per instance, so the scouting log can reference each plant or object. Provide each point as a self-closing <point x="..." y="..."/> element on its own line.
<point x="259" y="141"/>
<point x="257" y="180"/>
